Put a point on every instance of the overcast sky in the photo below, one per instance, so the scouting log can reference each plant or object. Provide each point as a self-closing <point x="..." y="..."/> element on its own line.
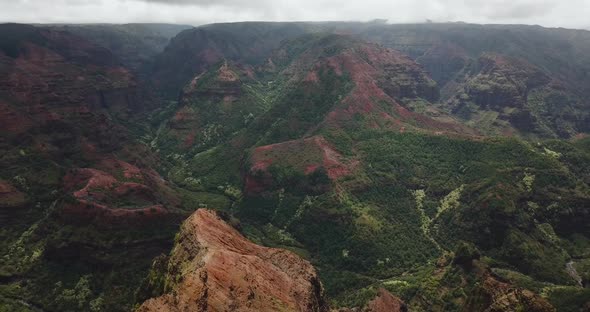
<point x="551" y="13"/>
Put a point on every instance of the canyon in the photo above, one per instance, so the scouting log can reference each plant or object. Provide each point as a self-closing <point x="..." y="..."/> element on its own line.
<point x="330" y="166"/>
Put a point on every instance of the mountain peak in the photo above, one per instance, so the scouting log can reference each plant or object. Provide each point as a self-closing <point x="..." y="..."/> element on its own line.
<point x="215" y="268"/>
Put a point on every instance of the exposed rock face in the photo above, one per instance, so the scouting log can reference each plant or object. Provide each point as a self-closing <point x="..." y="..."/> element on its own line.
<point x="380" y="83"/>
<point x="503" y="82"/>
<point x="214" y="268"/>
<point x="54" y="86"/>
<point x="65" y="105"/>
<point x="313" y="155"/>
<point x="496" y="295"/>
<point x="213" y="105"/>
<point x="520" y="95"/>
<point x="61" y="99"/>
<point x="209" y="45"/>
<point x="386" y="302"/>
<point x="383" y="302"/>
<point x="98" y="196"/>
<point x="502" y="297"/>
<point x="134" y="44"/>
<point x="225" y="81"/>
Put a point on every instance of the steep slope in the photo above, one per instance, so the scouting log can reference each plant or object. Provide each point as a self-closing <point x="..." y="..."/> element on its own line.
<point x="481" y="288"/>
<point x="214" y="268"/>
<point x="136" y="45"/>
<point x="193" y="51"/>
<point x="455" y="55"/>
<point x="369" y="79"/>
<point x="64" y="100"/>
<point x="556" y="50"/>
<point x="318" y="85"/>
<point x="352" y="151"/>
<point x="383" y="301"/>
<point x="331" y="86"/>
<point x="382" y="170"/>
<point x="83" y="212"/>
<point x="538" y="76"/>
<point x="213" y="105"/>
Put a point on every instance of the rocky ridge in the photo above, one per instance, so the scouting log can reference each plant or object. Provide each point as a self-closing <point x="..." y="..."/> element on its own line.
<point x="214" y="268"/>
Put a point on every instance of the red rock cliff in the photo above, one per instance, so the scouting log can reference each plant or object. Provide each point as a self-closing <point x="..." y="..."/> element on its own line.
<point x="214" y="268"/>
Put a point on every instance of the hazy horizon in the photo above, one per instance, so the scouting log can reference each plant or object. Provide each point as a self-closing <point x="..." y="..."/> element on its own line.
<point x="295" y="21"/>
<point x="547" y="13"/>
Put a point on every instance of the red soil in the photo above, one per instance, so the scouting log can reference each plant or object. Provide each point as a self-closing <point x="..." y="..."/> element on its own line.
<point x="256" y="185"/>
<point x="225" y="74"/>
<point x="86" y="211"/>
<point x="92" y="179"/>
<point x="309" y="155"/>
<point x="312" y="76"/>
<point x="94" y="191"/>
<point x="10" y="196"/>
<point x="223" y="271"/>
<point x="386" y="302"/>
<point x="311" y="168"/>
<point x="365" y="72"/>
<point x="365" y="92"/>
<point x="114" y="165"/>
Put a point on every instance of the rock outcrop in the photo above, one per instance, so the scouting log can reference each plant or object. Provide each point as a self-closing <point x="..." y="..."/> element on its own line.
<point x="214" y="268"/>
<point x="386" y="302"/>
<point x="99" y="196"/>
<point x="213" y="105"/>
<point x="383" y="302"/>
<point x="310" y="156"/>
<point x="497" y="295"/>
<point x="377" y="85"/>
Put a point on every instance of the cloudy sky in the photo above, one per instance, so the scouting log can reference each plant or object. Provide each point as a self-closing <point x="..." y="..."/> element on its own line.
<point x="552" y="13"/>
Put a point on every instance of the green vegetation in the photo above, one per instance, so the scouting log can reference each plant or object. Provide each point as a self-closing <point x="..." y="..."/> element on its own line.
<point x="414" y="197"/>
<point x="568" y="299"/>
<point x="384" y="199"/>
<point x="420" y="187"/>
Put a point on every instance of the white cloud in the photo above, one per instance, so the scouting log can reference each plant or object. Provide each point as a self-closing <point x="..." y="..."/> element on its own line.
<point x="554" y="13"/>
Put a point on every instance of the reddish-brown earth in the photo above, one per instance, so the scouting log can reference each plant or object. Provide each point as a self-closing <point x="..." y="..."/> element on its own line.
<point x="383" y="302"/>
<point x="305" y="155"/>
<point x="128" y="170"/>
<point x="10" y="196"/>
<point x="100" y="196"/>
<point x="214" y="268"/>
<point x="220" y="87"/>
<point x="226" y="82"/>
<point x="386" y="302"/>
<point x="226" y="74"/>
<point x="496" y="295"/>
<point x="65" y="97"/>
<point x="60" y="85"/>
<point x="56" y="88"/>
<point x="382" y="77"/>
